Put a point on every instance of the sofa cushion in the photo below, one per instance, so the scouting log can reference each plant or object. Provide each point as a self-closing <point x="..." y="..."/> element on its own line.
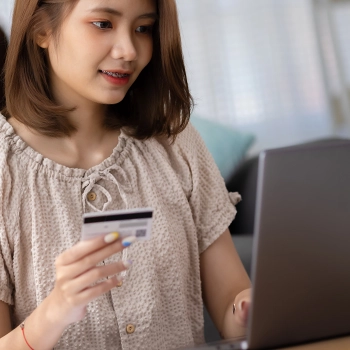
<point x="227" y="145"/>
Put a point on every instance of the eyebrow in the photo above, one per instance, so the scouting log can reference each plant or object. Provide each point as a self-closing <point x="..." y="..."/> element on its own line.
<point x="114" y="12"/>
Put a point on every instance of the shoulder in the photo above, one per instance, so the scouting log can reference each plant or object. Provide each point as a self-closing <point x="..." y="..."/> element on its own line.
<point x="190" y="143"/>
<point x="186" y="145"/>
<point x="5" y="147"/>
<point x="183" y="153"/>
<point x="189" y="136"/>
<point x="11" y="169"/>
<point x="188" y="157"/>
<point x="5" y="133"/>
<point x="173" y="159"/>
<point x="10" y="145"/>
<point x="10" y="142"/>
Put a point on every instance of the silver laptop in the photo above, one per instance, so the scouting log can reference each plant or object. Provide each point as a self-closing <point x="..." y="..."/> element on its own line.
<point x="301" y="250"/>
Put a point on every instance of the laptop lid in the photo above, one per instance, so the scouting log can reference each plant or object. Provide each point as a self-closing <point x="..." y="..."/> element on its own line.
<point x="301" y="252"/>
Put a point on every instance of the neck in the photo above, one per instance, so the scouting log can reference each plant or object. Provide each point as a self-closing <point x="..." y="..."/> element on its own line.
<point x="92" y="142"/>
<point x="88" y="146"/>
<point x="88" y="120"/>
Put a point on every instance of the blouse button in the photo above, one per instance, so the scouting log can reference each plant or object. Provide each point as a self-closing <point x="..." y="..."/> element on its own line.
<point x="91" y="196"/>
<point x="130" y="328"/>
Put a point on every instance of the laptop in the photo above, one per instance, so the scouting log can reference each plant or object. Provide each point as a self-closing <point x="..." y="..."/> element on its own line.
<point x="301" y="248"/>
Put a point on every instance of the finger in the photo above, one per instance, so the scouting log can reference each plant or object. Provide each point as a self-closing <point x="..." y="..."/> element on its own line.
<point x="90" y="260"/>
<point x="68" y="272"/>
<point x="84" y="248"/>
<point x="92" y="293"/>
<point x="92" y="276"/>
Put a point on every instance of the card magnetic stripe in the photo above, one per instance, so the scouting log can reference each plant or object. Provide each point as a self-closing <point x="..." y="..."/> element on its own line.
<point x="118" y="217"/>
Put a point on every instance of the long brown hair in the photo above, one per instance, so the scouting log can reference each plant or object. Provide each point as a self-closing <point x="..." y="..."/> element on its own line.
<point x="158" y="103"/>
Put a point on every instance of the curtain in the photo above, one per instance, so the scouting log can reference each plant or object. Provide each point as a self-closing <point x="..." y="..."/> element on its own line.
<point x="256" y="66"/>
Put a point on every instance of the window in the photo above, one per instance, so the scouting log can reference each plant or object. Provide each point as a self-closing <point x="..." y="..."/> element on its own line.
<point x="256" y="66"/>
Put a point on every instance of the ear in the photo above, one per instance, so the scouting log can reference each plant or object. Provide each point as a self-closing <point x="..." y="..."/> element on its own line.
<point x="43" y="32"/>
<point x="43" y="39"/>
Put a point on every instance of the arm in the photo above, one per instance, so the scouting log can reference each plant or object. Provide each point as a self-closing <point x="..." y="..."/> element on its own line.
<point x="75" y="287"/>
<point x="37" y="327"/>
<point x="225" y="282"/>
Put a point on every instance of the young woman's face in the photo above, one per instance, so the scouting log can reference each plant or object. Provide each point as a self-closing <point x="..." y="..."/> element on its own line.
<point x="102" y="48"/>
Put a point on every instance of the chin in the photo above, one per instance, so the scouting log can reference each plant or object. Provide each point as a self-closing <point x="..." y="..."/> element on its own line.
<point x="118" y="97"/>
<point x="112" y="100"/>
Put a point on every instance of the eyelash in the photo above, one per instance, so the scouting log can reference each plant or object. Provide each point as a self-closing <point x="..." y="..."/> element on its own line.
<point x="96" y="24"/>
<point x="148" y="29"/>
<point x="109" y="25"/>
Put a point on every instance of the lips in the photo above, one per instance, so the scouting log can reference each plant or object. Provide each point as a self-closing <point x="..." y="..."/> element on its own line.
<point x="115" y="74"/>
<point x="117" y="78"/>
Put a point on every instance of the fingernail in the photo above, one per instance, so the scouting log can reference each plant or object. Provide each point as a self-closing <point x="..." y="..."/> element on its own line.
<point x="120" y="281"/>
<point x="111" y="237"/>
<point x="127" y="263"/>
<point x="126" y="242"/>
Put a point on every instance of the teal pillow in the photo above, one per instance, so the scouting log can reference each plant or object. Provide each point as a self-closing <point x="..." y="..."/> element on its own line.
<point x="227" y="145"/>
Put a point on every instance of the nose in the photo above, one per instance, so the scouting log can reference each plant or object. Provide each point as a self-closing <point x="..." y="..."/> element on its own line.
<point x="124" y="47"/>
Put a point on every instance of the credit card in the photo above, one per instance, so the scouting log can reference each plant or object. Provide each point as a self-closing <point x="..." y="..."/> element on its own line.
<point x="127" y="222"/>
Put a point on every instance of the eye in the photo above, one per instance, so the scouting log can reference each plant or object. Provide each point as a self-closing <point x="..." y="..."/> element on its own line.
<point x="102" y="24"/>
<point x="144" y="29"/>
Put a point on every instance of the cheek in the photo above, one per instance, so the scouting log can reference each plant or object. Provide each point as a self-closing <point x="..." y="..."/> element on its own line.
<point x="59" y="55"/>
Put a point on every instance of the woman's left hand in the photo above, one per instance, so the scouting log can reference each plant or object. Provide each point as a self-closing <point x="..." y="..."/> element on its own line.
<point x="242" y="306"/>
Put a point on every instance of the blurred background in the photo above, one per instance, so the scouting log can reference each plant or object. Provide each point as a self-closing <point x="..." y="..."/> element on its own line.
<point x="279" y="70"/>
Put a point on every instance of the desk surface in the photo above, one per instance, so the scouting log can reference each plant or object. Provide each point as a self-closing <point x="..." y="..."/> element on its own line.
<point x="336" y="344"/>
